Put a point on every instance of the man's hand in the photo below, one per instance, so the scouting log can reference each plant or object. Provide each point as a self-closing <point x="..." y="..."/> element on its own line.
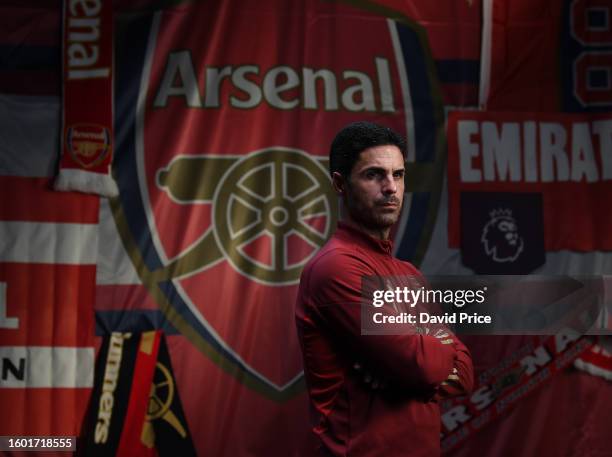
<point x="453" y="384"/>
<point x="443" y="336"/>
<point x="453" y="377"/>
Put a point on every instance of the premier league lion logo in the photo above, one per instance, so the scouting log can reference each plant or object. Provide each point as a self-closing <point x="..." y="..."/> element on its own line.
<point x="500" y="237"/>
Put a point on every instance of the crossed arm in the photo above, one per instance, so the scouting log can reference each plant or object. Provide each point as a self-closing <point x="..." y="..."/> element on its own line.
<point x="430" y="364"/>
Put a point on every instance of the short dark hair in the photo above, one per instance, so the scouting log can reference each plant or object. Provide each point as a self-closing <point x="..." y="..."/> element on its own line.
<point x="355" y="138"/>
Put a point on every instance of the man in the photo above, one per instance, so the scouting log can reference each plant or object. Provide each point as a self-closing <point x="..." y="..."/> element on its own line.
<point x="351" y="414"/>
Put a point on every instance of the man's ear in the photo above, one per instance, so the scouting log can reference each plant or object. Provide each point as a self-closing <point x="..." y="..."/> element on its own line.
<point x="338" y="183"/>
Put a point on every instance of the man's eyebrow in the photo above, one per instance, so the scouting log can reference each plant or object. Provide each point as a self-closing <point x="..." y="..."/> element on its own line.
<point x="377" y="168"/>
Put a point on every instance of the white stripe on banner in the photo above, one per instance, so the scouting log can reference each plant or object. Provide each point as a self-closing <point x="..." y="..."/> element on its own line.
<point x="43" y="242"/>
<point x="45" y="367"/>
<point x="114" y="265"/>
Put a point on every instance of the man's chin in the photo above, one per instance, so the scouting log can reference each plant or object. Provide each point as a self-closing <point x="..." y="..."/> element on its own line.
<point x="377" y="221"/>
<point x="386" y="221"/>
<point x="388" y="218"/>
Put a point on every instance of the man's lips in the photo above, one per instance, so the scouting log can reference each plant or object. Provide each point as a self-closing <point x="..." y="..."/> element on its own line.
<point x="389" y="205"/>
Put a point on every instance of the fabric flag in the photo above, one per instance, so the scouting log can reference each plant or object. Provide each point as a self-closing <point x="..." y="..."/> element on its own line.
<point x="48" y="250"/>
<point x="508" y="383"/>
<point x="454" y="34"/>
<point x="135" y="406"/>
<point x="165" y="412"/>
<point x="521" y="44"/>
<point x="230" y="142"/>
<point x="87" y="127"/>
<point x="598" y="359"/>
<point x="547" y="55"/>
<point x="562" y="157"/>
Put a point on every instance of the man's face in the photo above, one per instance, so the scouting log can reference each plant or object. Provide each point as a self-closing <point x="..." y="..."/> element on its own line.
<point x="374" y="192"/>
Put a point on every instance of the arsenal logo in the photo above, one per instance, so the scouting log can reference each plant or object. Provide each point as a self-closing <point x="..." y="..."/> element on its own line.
<point x="223" y="170"/>
<point x="88" y="144"/>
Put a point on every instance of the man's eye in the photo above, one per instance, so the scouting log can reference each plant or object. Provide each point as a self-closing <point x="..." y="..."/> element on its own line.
<point x="398" y="174"/>
<point x="371" y="174"/>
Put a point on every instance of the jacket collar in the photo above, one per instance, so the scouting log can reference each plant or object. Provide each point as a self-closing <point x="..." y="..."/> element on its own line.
<point x="353" y="234"/>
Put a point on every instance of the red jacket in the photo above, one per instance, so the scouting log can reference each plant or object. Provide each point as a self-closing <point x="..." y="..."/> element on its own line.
<point x="349" y="418"/>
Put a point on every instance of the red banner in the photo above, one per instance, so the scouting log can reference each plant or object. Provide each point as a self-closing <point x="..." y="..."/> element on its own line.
<point x="87" y="132"/>
<point x="564" y="158"/>
<point x="225" y="189"/>
<point x="547" y="55"/>
<point x="510" y="382"/>
<point x="47" y="281"/>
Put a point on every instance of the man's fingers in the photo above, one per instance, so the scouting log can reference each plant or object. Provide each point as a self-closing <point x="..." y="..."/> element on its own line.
<point x="440" y="332"/>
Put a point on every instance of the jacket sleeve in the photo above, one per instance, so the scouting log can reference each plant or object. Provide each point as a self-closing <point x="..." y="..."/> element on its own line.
<point x="465" y="372"/>
<point x="332" y="291"/>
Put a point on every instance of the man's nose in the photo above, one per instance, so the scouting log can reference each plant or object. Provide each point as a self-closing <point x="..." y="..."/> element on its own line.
<point x="389" y="186"/>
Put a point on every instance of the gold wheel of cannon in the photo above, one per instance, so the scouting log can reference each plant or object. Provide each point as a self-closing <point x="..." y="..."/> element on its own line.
<point x="274" y="193"/>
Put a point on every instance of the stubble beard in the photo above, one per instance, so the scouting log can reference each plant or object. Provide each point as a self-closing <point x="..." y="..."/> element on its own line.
<point x="373" y="218"/>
